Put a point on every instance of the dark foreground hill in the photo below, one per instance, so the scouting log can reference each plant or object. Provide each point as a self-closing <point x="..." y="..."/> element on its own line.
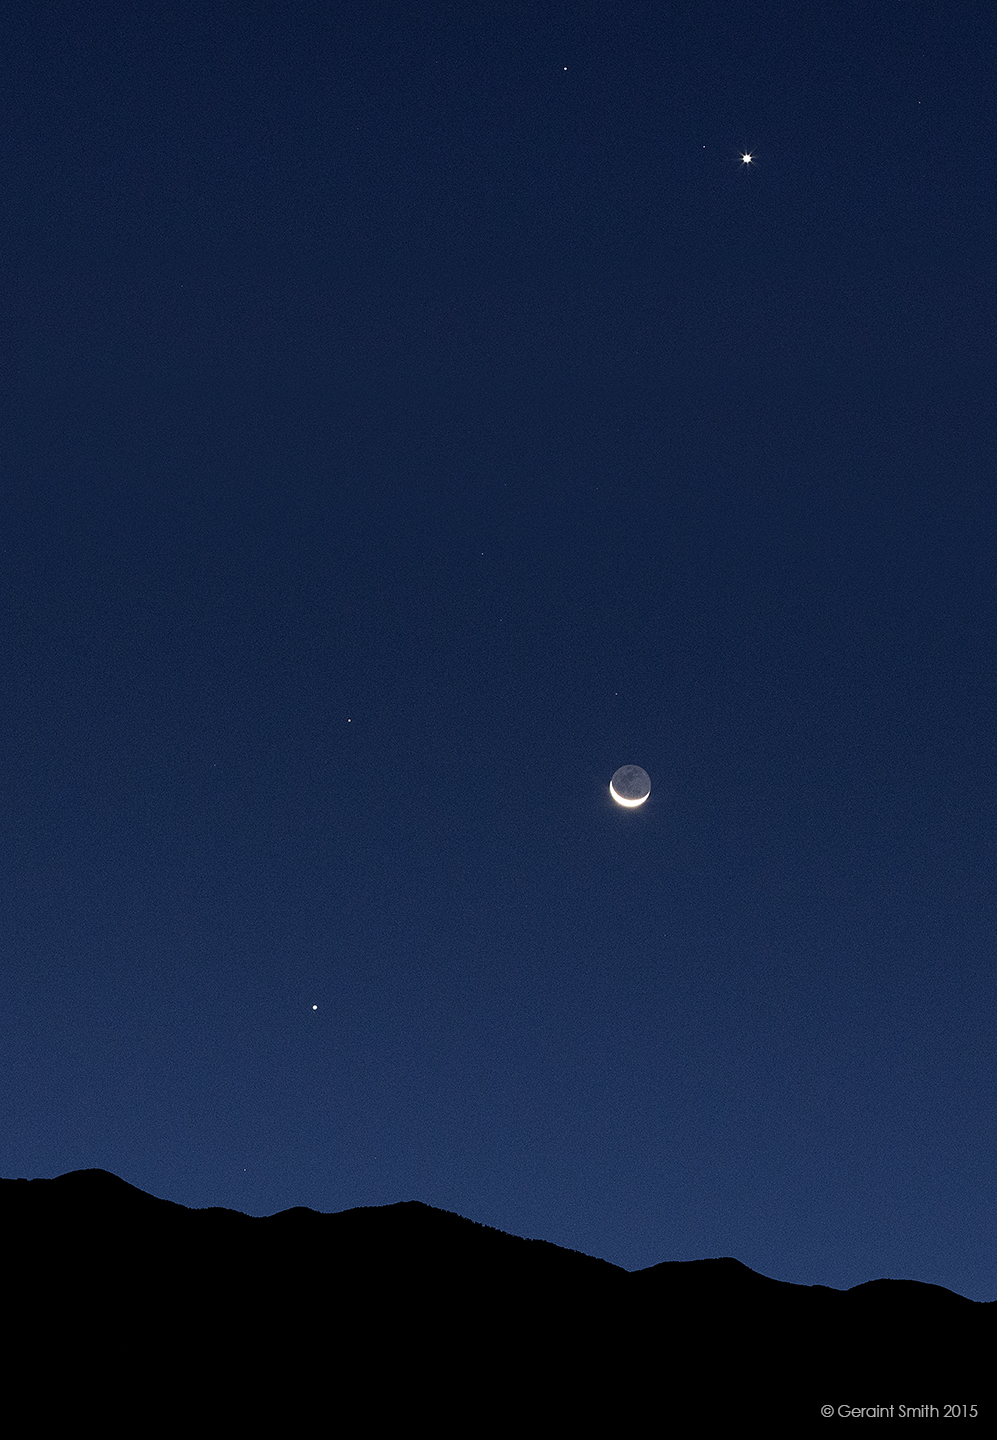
<point x="140" y="1314"/>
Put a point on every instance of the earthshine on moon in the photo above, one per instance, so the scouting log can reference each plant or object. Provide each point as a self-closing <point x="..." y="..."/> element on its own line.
<point x="630" y="786"/>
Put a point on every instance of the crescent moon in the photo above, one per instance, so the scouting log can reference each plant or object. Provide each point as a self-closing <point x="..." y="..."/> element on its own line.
<point x="630" y="804"/>
<point x="630" y="786"/>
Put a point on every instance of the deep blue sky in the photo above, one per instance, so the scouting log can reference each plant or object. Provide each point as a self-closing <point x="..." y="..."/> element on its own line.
<point x="408" y="415"/>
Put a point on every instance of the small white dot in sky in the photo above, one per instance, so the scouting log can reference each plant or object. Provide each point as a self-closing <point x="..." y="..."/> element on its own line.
<point x="314" y="1007"/>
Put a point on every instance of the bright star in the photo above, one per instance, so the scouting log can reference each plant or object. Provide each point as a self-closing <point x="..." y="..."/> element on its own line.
<point x="746" y="158"/>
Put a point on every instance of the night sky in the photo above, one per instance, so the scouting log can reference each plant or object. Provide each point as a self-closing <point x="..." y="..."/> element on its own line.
<point x="409" y="414"/>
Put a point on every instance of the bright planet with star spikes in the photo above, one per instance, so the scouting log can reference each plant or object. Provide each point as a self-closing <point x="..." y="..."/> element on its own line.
<point x="630" y="786"/>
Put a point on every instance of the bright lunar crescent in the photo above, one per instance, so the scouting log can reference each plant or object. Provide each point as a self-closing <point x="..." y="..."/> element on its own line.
<point x="630" y="786"/>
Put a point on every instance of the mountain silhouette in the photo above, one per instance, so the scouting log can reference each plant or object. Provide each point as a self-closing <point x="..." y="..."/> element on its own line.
<point x="143" y="1313"/>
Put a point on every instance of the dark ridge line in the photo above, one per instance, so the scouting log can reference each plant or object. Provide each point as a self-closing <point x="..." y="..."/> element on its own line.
<point x="706" y="1272"/>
